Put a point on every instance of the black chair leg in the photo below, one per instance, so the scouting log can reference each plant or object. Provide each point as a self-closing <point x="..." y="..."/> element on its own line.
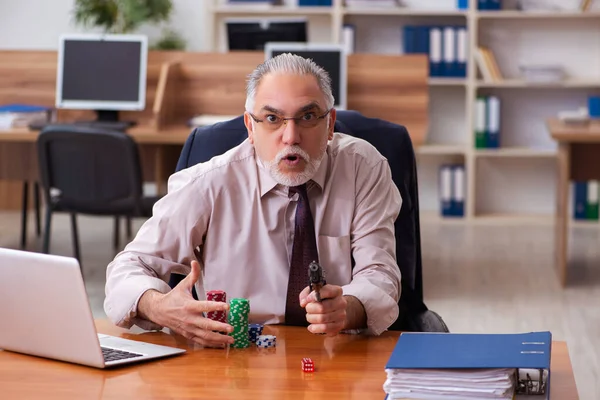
<point x="116" y="234"/>
<point x="24" y="211"/>
<point x="36" y="199"/>
<point x="75" y="235"/>
<point x="129" y="228"/>
<point x="46" y="245"/>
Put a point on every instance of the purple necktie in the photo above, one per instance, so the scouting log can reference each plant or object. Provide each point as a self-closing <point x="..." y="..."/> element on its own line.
<point x="304" y="251"/>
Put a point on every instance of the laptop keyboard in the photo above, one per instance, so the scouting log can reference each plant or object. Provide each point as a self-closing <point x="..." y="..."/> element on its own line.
<point x="114" y="355"/>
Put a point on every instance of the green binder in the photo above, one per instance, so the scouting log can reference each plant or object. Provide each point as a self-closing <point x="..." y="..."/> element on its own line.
<point x="480" y="122"/>
<point x="591" y="206"/>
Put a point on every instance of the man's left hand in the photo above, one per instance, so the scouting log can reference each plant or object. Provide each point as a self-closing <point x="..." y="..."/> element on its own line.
<point x="327" y="316"/>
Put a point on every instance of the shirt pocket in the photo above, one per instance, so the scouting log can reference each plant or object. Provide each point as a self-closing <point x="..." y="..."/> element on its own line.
<point x="335" y="258"/>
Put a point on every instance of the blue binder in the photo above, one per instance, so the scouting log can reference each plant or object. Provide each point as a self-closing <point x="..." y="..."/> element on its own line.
<point x="472" y="350"/>
<point x="494" y="5"/>
<point x="461" y="51"/>
<point x="458" y="191"/>
<point x="436" y="51"/>
<point x="409" y="39"/>
<point x="467" y="350"/>
<point x="580" y="200"/>
<point x="445" y="190"/>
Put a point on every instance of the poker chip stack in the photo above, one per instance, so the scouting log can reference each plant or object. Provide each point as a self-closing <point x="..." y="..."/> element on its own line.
<point x="239" y="309"/>
<point x="254" y="331"/>
<point x="265" y="341"/>
<point x="217" y="295"/>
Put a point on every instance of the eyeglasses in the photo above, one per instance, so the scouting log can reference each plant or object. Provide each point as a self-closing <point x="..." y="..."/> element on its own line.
<point x="308" y="120"/>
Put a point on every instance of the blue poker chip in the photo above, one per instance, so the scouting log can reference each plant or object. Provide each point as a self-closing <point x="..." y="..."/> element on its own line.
<point x="266" y="341"/>
<point x="254" y="331"/>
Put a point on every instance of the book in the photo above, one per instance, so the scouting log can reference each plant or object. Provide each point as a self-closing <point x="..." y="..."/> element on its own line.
<point x="22" y="115"/>
<point x="469" y="366"/>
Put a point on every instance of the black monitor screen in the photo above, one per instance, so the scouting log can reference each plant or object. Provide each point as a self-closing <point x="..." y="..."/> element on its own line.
<point x="328" y="60"/>
<point x="254" y="35"/>
<point x="101" y="70"/>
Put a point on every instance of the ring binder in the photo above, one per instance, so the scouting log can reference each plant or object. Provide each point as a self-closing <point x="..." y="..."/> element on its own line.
<point x="526" y="384"/>
<point x="491" y="366"/>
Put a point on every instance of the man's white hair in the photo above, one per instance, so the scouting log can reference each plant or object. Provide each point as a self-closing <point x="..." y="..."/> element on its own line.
<point x="291" y="64"/>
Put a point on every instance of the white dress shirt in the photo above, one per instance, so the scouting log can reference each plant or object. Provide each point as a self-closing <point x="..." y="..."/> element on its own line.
<point x="230" y="215"/>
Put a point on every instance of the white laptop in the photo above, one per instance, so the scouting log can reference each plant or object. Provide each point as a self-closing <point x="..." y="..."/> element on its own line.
<point x="44" y="311"/>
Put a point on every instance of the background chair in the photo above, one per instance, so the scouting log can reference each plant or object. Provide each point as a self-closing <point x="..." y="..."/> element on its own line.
<point x="25" y="211"/>
<point x="90" y="171"/>
<point x="394" y="143"/>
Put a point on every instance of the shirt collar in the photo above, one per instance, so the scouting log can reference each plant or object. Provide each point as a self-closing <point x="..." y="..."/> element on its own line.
<point x="266" y="182"/>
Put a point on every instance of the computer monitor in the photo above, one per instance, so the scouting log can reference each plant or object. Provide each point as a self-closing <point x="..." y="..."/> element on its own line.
<point x="254" y="33"/>
<point x="331" y="57"/>
<point x="105" y="73"/>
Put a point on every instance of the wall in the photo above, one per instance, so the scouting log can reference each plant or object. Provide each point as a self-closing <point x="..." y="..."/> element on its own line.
<point x="37" y="24"/>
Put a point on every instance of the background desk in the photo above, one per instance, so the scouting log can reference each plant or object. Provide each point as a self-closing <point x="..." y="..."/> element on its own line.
<point x="579" y="160"/>
<point x="159" y="152"/>
<point x="347" y="367"/>
<point x="180" y="85"/>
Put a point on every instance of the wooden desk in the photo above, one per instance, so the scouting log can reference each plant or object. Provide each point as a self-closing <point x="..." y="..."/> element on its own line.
<point x="159" y="152"/>
<point x="347" y="367"/>
<point x="579" y="160"/>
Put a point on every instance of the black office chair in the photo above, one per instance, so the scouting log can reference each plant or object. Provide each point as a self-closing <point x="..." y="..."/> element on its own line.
<point x="394" y="143"/>
<point x="25" y="211"/>
<point x="91" y="171"/>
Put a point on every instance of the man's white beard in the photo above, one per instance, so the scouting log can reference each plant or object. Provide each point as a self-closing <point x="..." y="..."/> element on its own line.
<point x="294" y="178"/>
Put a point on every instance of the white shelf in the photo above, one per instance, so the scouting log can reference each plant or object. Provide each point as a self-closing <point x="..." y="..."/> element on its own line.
<point x="521" y="84"/>
<point x="578" y="223"/>
<point x="441" y="149"/>
<point x="513" y="219"/>
<point x="515" y="14"/>
<point x="515" y="37"/>
<point x="225" y="10"/>
<point x="434" y="217"/>
<point x="391" y="11"/>
<point x="447" y="82"/>
<point x="515" y="152"/>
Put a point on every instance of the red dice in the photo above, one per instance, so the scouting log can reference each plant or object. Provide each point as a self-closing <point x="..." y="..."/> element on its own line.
<point x="308" y="365"/>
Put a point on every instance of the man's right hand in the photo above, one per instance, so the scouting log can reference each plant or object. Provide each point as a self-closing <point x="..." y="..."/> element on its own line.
<point x="180" y="312"/>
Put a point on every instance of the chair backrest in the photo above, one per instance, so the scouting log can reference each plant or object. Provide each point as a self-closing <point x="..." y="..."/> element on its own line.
<point x="391" y="140"/>
<point x="89" y="170"/>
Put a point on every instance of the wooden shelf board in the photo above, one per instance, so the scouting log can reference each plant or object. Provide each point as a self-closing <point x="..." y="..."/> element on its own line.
<point x="521" y="84"/>
<point x="576" y="223"/>
<point x="434" y="217"/>
<point x="516" y="14"/>
<point x="271" y="10"/>
<point x="447" y="82"/>
<point x="440" y="149"/>
<point x="516" y="152"/>
<point x="501" y="219"/>
<point x="391" y="11"/>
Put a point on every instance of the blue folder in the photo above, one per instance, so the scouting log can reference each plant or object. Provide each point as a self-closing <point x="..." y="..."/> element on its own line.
<point x="470" y="350"/>
<point x="22" y="108"/>
<point x="474" y="351"/>
<point x="580" y="200"/>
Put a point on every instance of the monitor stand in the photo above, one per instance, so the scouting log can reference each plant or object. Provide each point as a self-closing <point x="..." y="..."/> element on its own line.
<point x="107" y="119"/>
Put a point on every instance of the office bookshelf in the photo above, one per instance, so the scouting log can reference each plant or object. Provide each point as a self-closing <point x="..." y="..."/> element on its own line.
<point x="514" y="184"/>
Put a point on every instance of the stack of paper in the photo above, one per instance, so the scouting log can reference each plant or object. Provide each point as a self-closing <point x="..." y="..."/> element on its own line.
<point x="457" y="384"/>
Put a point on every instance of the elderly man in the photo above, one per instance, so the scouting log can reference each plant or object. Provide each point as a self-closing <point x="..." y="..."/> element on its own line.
<point x="251" y="220"/>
